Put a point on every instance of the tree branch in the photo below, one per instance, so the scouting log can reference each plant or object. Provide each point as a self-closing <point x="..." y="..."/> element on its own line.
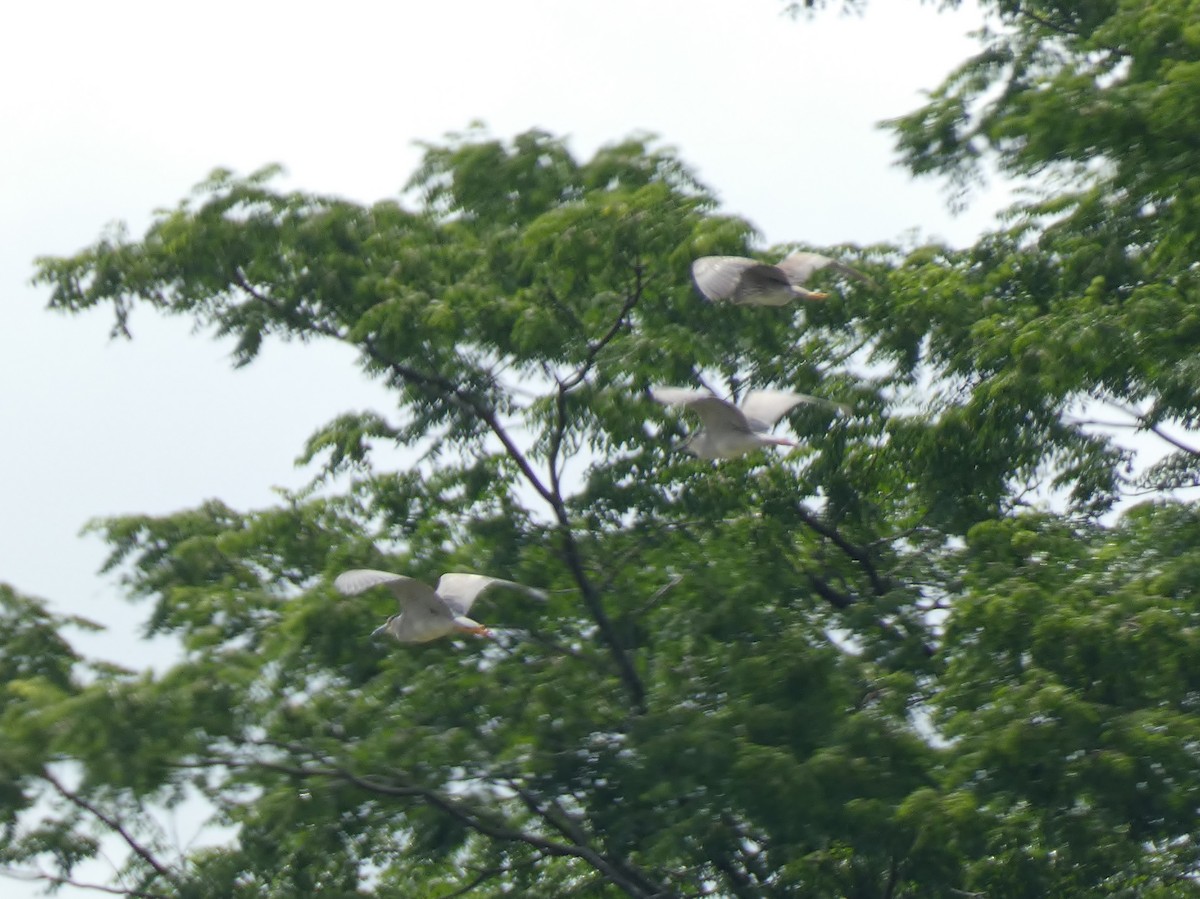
<point x="489" y="874"/>
<point x="826" y="591"/>
<point x="840" y="600"/>
<point x="1144" y="422"/>
<point x="594" y="349"/>
<point x="574" y="557"/>
<point x="442" y="388"/>
<point x="111" y="823"/>
<point x="1043" y="21"/>
<point x="893" y="878"/>
<point x="56" y="880"/>
<point x="741" y="883"/>
<point x="657" y="595"/>
<point x="624" y="878"/>
<point x="857" y="553"/>
<point x="556" y="818"/>
<point x="460" y="811"/>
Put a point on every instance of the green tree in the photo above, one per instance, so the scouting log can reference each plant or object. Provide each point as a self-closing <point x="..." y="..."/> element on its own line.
<point x="866" y="668"/>
<point x="656" y="726"/>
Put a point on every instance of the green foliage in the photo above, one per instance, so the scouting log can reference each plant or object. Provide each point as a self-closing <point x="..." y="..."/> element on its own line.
<point x="875" y="666"/>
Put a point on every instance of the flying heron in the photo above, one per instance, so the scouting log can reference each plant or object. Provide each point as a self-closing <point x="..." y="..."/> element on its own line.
<point x="749" y="282"/>
<point x="729" y="431"/>
<point x="427" y="613"/>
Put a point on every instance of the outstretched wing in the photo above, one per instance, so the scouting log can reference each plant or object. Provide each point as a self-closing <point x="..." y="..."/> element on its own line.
<point x="677" y="396"/>
<point x="719" y="415"/>
<point x="459" y="591"/>
<point x="715" y="413"/>
<point x="763" y="408"/>
<point x="744" y="281"/>
<point x="764" y="285"/>
<point x="412" y="594"/>
<point x="799" y="267"/>
<point x="718" y="277"/>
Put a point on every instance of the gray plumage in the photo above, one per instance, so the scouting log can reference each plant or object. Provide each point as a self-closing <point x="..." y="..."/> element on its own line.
<point x="752" y="283"/>
<point x="427" y="613"/>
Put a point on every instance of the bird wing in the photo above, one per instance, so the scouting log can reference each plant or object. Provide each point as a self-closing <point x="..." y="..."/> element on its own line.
<point x="718" y="414"/>
<point x="459" y="591"/>
<point x="413" y="595"/>
<point x="799" y="267"/>
<point x="715" y="413"/>
<point x="718" y="277"/>
<point x="765" y="285"/>
<point x="677" y="396"/>
<point x="762" y="408"/>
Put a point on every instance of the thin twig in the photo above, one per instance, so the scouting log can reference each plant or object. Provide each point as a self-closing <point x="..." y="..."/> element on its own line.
<point x="1153" y="427"/>
<point x="594" y="349"/>
<point x="58" y="880"/>
<point x="1053" y="26"/>
<point x="491" y="874"/>
<point x="111" y="823"/>
<point x="657" y="595"/>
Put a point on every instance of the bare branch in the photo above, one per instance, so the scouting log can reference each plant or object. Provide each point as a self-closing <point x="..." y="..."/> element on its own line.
<point x="1144" y="423"/>
<point x="111" y="823"/>
<point x="59" y="881"/>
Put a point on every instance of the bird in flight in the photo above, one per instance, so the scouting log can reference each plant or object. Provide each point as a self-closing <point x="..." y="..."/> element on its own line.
<point x="728" y="430"/>
<point x="427" y="613"/>
<point x="749" y="282"/>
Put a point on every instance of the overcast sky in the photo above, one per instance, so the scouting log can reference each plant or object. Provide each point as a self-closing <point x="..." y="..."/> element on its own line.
<point x="111" y="110"/>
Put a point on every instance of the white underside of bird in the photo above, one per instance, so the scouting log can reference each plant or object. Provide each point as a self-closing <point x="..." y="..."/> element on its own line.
<point x="749" y="282"/>
<point x="728" y="430"/>
<point x="427" y="613"/>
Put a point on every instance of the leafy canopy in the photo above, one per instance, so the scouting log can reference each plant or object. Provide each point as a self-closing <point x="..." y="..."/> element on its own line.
<point x="880" y="665"/>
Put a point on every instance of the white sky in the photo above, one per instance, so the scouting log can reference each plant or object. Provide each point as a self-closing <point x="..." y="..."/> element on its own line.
<point x="110" y="110"/>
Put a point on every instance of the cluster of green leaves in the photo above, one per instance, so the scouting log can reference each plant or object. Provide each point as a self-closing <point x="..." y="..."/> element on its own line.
<point x="864" y="668"/>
